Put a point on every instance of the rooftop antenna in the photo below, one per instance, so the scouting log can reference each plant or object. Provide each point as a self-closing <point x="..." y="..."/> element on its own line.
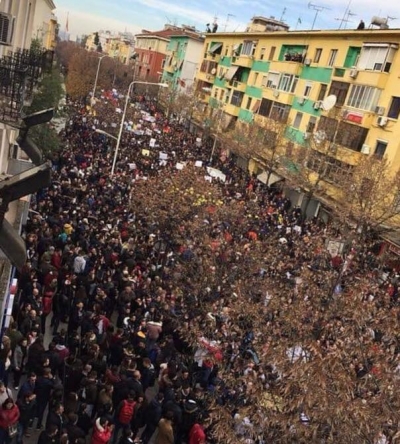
<point x="346" y="19"/>
<point x="283" y="13"/>
<point x="227" y="20"/>
<point x="317" y="9"/>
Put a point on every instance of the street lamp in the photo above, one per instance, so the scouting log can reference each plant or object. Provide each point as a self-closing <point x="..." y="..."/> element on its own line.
<point x="121" y="127"/>
<point x="97" y="74"/>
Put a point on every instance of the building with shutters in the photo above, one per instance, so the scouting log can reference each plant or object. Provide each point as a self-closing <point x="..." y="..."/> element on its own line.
<point x="284" y="75"/>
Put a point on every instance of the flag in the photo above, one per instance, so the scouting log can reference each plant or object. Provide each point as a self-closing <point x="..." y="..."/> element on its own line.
<point x="66" y="23"/>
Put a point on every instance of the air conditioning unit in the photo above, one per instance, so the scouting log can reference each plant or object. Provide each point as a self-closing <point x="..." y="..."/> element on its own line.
<point x="6" y="28"/>
<point x="365" y="149"/>
<point x="301" y="100"/>
<point x="317" y="105"/>
<point x="275" y="94"/>
<point x="235" y="83"/>
<point x="382" y="121"/>
<point x="380" y="110"/>
<point x="353" y="73"/>
<point x="307" y="62"/>
<point x="306" y="136"/>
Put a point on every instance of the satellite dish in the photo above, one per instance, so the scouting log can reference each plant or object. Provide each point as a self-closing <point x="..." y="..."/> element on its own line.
<point x="329" y="102"/>
<point x="213" y="71"/>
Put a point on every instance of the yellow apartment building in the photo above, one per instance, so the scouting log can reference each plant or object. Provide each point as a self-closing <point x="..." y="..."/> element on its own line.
<point x="287" y="76"/>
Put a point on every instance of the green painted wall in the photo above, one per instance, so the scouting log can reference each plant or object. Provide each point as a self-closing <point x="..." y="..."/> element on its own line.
<point x="260" y="65"/>
<point x="322" y="75"/>
<point x="225" y="61"/>
<point x="295" y="135"/>
<point x="292" y="49"/>
<point x="220" y="83"/>
<point x="246" y="115"/>
<point x="253" y="91"/>
<point x="351" y="56"/>
<point x="307" y="108"/>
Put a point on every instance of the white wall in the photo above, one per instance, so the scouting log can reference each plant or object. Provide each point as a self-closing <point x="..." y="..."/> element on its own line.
<point x="190" y="66"/>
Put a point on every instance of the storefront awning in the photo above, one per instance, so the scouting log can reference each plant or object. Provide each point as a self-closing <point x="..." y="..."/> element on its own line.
<point x="215" y="47"/>
<point x="273" y="178"/>
<point x="231" y="72"/>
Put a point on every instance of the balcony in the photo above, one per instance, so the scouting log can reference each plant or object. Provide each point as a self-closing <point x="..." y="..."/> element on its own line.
<point x="240" y="86"/>
<point x="371" y="78"/>
<point x="206" y="77"/>
<point x="232" y="110"/>
<point x="243" y="60"/>
<point x="287" y="68"/>
<point x="19" y="75"/>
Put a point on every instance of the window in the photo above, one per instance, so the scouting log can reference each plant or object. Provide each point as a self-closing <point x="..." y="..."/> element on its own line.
<point x="307" y="89"/>
<point x="237" y="97"/>
<point x="262" y="53"/>
<point x="332" y="57"/>
<point x="377" y="57"/>
<point x="255" y="78"/>
<point x="328" y="126"/>
<point x="247" y="48"/>
<point x="394" y="109"/>
<point x="265" y="107"/>
<point x="163" y="63"/>
<point x="311" y="124"/>
<point x="333" y="170"/>
<point x="297" y="120"/>
<point x="280" y="111"/>
<point x="317" y="55"/>
<point x="288" y="82"/>
<point x="351" y="136"/>
<point x="339" y="89"/>
<point x="272" y="53"/>
<point x="264" y="81"/>
<point x="380" y="149"/>
<point x="248" y="104"/>
<point x="221" y="73"/>
<point x="221" y="95"/>
<point x="363" y="97"/>
<point x="322" y="91"/>
<point x="273" y="80"/>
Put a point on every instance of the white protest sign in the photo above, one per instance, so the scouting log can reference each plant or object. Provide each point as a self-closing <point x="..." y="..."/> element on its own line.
<point x="213" y="172"/>
<point x="152" y="142"/>
<point x="198" y="163"/>
<point x="163" y="156"/>
<point x="179" y="166"/>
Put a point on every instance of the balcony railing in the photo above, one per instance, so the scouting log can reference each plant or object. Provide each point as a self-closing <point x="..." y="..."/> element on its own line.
<point x="19" y="74"/>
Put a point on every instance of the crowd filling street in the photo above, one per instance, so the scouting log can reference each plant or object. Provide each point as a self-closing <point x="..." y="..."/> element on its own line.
<point x="118" y="368"/>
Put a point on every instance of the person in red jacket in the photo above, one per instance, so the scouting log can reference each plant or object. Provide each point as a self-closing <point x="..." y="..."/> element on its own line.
<point x="9" y="416"/>
<point x="197" y="434"/>
<point x="102" y="431"/>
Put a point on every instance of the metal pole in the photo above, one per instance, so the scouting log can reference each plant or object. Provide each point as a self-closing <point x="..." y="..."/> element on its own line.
<point x="97" y="75"/>
<point x="121" y="127"/>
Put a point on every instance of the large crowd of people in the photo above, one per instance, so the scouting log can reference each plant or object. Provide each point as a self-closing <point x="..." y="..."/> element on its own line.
<point x="117" y="368"/>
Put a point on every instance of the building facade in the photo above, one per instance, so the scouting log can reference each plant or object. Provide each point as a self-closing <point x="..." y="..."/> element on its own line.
<point x="181" y="64"/>
<point x="20" y="22"/>
<point x="119" y="46"/>
<point x="287" y="76"/>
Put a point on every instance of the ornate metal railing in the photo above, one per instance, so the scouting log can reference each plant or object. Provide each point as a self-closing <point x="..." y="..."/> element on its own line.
<point x="20" y="72"/>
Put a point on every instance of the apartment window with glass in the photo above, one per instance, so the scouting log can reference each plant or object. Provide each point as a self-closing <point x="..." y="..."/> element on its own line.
<point x="272" y="53"/>
<point x="394" y="109"/>
<point x="288" y="82"/>
<point x="317" y="55"/>
<point x="307" y="89"/>
<point x="247" y="48"/>
<point x="351" y="136"/>
<point x="377" y="57"/>
<point x="248" y="104"/>
<point x="340" y="90"/>
<point x="255" y="78"/>
<point x="237" y="97"/>
<point x="264" y="81"/>
<point x="273" y="80"/>
<point x="262" y="53"/>
<point x="322" y="91"/>
<point x="265" y="107"/>
<point x="280" y="111"/>
<point x="332" y="57"/>
<point x="363" y="97"/>
<point x="297" y="120"/>
<point x="380" y="149"/>
<point x="312" y="122"/>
